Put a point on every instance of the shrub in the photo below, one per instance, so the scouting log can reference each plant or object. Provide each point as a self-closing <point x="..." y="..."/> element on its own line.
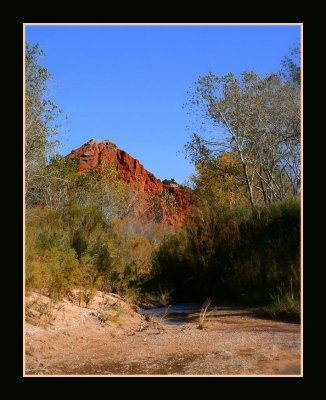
<point x="58" y="265"/>
<point x="51" y="263"/>
<point x="284" y="305"/>
<point x="203" y="314"/>
<point x="232" y="252"/>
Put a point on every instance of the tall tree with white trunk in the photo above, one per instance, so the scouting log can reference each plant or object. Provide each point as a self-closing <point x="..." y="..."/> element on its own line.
<point x="257" y="119"/>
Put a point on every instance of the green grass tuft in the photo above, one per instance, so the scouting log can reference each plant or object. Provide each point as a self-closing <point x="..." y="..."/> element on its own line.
<point x="284" y="306"/>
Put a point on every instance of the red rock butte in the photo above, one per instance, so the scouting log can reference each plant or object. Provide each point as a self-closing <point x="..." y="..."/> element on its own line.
<point x="90" y="154"/>
<point x="130" y="169"/>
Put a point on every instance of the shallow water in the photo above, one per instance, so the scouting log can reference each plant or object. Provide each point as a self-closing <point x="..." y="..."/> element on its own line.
<point x="175" y="314"/>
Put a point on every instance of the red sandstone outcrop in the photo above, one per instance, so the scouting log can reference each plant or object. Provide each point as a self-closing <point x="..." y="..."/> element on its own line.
<point x="130" y="169"/>
<point x="93" y="152"/>
<point x="183" y="200"/>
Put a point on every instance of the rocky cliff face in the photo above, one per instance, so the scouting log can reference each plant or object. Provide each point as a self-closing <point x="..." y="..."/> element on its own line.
<point x="183" y="202"/>
<point x="130" y="169"/>
<point x="93" y="152"/>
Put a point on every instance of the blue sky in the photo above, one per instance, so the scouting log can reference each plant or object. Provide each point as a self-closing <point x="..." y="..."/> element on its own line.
<point x="128" y="84"/>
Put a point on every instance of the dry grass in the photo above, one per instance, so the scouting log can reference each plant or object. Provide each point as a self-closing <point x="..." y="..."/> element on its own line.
<point x="284" y="306"/>
<point x="108" y="312"/>
<point x="41" y="312"/>
<point x="204" y="314"/>
<point x="164" y="297"/>
<point x="155" y="321"/>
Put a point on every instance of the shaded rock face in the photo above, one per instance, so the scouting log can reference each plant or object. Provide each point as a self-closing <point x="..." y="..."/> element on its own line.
<point x="93" y="152"/>
<point x="183" y="200"/>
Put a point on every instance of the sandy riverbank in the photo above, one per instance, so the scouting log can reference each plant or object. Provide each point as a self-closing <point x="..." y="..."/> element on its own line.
<point x="79" y="341"/>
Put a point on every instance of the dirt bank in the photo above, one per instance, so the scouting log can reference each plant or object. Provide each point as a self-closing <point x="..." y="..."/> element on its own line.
<point x="110" y="338"/>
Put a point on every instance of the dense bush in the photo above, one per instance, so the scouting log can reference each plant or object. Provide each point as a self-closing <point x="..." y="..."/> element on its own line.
<point x="76" y="248"/>
<point x="284" y="305"/>
<point x="235" y="252"/>
<point x="51" y="262"/>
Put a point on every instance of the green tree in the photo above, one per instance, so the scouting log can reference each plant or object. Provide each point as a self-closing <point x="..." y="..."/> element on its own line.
<point x="40" y="117"/>
<point x="55" y="183"/>
<point x="291" y="66"/>
<point x="103" y="188"/>
<point x="258" y="120"/>
<point x="220" y="182"/>
<point x="169" y="181"/>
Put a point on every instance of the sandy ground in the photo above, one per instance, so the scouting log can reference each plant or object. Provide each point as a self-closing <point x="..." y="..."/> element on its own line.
<point x="110" y="338"/>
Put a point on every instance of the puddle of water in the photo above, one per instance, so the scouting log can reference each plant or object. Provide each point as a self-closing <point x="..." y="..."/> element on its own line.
<point x="175" y="314"/>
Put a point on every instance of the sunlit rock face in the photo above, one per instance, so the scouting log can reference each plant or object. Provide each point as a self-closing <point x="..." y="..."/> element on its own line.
<point x="90" y="154"/>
